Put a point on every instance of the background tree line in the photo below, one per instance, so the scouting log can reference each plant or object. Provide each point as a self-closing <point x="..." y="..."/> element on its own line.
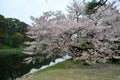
<point x="12" y="32"/>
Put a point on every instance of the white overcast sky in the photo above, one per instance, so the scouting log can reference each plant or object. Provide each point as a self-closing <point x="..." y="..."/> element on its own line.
<point x="23" y="9"/>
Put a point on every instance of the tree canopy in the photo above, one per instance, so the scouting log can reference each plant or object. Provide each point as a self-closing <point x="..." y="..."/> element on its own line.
<point x="3" y="27"/>
<point x="90" y="39"/>
<point x="94" y="5"/>
<point x="9" y="28"/>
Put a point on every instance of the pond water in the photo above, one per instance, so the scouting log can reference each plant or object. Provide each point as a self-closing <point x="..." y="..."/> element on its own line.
<point x="57" y="60"/>
<point x="12" y="66"/>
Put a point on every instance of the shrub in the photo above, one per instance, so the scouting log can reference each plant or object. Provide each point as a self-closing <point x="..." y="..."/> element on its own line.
<point x="17" y="39"/>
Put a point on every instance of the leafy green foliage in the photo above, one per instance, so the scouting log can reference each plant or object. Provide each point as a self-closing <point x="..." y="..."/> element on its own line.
<point x="12" y="31"/>
<point x="93" y="6"/>
<point x="3" y="27"/>
<point x="17" y="39"/>
<point x="90" y="7"/>
<point x="15" y="25"/>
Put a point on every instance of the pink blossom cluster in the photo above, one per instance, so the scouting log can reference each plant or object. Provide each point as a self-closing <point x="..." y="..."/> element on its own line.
<point x="57" y="33"/>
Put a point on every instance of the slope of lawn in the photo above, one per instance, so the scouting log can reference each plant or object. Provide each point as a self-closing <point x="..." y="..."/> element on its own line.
<point x="70" y="70"/>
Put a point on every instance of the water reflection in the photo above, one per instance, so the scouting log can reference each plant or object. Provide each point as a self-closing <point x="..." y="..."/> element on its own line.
<point x="12" y="66"/>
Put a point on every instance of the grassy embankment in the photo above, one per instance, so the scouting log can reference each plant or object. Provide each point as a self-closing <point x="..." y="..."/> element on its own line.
<point x="70" y="70"/>
<point x="6" y="50"/>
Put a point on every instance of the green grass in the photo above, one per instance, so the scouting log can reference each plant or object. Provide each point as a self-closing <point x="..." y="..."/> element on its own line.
<point x="6" y="50"/>
<point x="6" y="47"/>
<point x="70" y="70"/>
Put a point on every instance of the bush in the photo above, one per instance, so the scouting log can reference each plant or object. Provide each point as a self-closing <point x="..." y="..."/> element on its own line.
<point x="17" y="39"/>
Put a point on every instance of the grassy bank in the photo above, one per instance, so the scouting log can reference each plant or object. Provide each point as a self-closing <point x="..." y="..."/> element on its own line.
<point x="10" y="51"/>
<point x="70" y="70"/>
<point x="6" y="50"/>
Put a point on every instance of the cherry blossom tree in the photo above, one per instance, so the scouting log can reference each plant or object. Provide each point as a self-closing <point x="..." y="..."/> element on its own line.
<point x="90" y="39"/>
<point x="101" y="36"/>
